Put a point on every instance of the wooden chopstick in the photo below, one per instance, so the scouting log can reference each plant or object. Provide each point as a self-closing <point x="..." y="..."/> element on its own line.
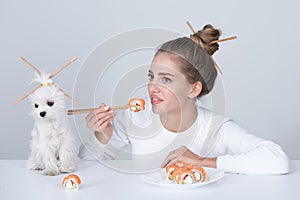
<point x="63" y="67"/>
<point x="223" y="40"/>
<point x="79" y="111"/>
<point x="30" y="65"/>
<point x="212" y="42"/>
<point x="86" y="110"/>
<point x="190" y="26"/>
<point x="66" y="94"/>
<point x="28" y="93"/>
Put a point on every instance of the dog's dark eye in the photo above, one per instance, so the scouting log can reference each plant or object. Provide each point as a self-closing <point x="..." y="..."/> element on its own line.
<point x="50" y="103"/>
<point x="35" y="105"/>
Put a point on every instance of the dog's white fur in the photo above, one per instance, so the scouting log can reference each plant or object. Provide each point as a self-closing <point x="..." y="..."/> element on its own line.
<point x="53" y="147"/>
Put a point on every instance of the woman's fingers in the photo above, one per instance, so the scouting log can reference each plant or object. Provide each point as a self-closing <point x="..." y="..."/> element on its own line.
<point x="99" y="118"/>
<point x="174" y="156"/>
<point x="104" y="120"/>
<point x="170" y="161"/>
<point x="185" y="155"/>
<point x="93" y="113"/>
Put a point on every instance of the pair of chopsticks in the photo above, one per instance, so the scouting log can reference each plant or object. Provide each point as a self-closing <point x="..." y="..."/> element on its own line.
<point x="86" y="110"/>
<point x="50" y="77"/>
<point x="212" y="42"/>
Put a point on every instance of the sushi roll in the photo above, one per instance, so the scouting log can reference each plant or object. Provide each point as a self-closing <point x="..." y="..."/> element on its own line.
<point x="169" y="171"/>
<point x="186" y="176"/>
<point x="71" y="182"/>
<point x="136" y="104"/>
<point x="199" y="173"/>
<point x="184" y="173"/>
<point x="174" y="174"/>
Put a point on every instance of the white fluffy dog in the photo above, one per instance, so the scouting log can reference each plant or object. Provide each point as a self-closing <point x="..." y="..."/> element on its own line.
<point x="53" y="147"/>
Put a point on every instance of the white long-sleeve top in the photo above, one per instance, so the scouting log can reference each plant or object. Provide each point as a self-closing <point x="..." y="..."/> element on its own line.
<point x="211" y="135"/>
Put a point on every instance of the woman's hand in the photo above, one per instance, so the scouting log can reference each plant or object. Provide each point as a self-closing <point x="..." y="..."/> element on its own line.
<point x="99" y="120"/>
<point x="185" y="155"/>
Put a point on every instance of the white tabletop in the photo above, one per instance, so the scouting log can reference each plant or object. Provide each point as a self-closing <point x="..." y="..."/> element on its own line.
<point x="101" y="182"/>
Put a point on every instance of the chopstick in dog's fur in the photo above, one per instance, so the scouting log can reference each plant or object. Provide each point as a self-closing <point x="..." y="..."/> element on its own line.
<point x="30" y="65"/>
<point x="29" y="93"/>
<point x="63" y="67"/>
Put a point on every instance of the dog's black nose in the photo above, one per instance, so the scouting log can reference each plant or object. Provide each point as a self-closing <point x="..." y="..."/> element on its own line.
<point x="43" y="114"/>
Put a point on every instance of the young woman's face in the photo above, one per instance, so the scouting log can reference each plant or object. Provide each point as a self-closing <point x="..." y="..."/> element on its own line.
<point x="168" y="87"/>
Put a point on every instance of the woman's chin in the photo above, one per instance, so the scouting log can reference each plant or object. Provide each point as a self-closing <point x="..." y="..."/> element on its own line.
<point x="157" y="109"/>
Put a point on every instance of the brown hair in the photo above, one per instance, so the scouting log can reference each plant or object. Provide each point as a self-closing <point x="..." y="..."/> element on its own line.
<point x="194" y="55"/>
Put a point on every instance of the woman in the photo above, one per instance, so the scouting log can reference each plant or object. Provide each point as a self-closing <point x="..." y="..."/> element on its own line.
<point x="182" y="70"/>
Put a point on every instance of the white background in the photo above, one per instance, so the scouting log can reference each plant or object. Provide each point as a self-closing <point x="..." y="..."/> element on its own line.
<point x="261" y="67"/>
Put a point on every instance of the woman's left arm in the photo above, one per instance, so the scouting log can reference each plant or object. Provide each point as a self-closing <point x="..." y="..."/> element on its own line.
<point x="238" y="152"/>
<point x="241" y="152"/>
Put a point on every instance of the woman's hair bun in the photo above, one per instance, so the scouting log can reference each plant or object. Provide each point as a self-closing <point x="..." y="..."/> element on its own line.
<point x="206" y="36"/>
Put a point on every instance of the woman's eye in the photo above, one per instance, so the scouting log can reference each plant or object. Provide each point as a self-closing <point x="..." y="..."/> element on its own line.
<point x="50" y="103"/>
<point x="36" y="106"/>
<point x="150" y="77"/>
<point x="166" y="80"/>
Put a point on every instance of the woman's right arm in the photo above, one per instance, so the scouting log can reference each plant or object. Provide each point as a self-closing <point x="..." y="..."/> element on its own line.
<point x="107" y="139"/>
<point x="99" y="121"/>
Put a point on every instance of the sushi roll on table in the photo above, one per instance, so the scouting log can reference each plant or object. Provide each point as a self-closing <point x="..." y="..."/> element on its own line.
<point x="71" y="182"/>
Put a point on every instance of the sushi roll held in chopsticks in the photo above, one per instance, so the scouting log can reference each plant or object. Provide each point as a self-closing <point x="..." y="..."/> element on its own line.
<point x="71" y="182"/>
<point x="136" y="104"/>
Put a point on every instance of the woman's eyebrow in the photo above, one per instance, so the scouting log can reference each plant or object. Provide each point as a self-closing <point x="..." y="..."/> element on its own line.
<point x="162" y="73"/>
<point x="165" y="74"/>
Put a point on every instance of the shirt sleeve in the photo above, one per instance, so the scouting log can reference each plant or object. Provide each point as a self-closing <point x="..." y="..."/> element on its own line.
<point x="244" y="153"/>
<point x="93" y="149"/>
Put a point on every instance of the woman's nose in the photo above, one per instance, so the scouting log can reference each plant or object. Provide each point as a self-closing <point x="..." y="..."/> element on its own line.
<point x="153" y="87"/>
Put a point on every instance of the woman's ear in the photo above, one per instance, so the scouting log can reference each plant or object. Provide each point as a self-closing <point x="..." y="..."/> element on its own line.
<point x="195" y="89"/>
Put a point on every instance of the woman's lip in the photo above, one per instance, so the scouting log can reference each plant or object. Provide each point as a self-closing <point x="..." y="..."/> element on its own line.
<point x="155" y="100"/>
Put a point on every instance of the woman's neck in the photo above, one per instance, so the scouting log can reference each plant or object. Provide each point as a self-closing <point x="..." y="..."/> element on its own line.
<point x="181" y="120"/>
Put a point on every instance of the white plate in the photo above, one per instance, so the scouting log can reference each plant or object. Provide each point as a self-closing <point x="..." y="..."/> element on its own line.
<point x="160" y="179"/>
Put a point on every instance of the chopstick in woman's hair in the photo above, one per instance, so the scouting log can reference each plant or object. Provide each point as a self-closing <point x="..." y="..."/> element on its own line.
<point x="223" y="40"/>
<point x="190" y="26"/>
